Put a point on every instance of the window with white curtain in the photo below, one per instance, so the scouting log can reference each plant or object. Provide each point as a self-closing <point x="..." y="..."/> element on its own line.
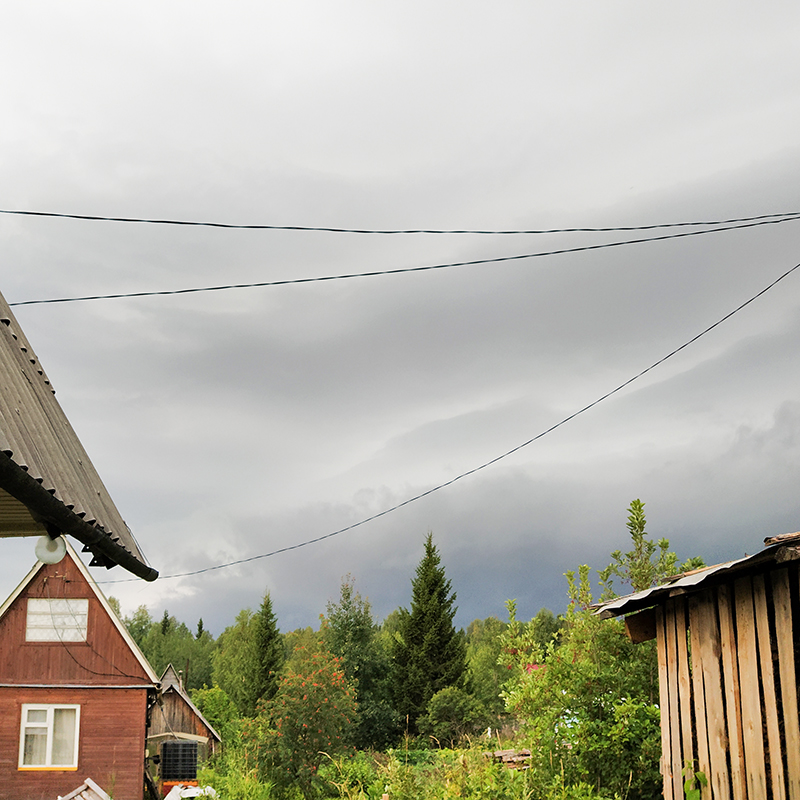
<point x="49" y="736"/>
<point x="57" y="619"/>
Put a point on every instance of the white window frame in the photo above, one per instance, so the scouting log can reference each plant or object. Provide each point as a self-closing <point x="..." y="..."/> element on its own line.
<point x="48" y="726"/>
<point x="57" y="619"/>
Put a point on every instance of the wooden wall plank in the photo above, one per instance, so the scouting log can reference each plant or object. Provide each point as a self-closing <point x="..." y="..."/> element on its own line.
<point x="710" y="654"/>
<point x="684" y="681"/>
<point x="784" y="626"/>
<point x="663" y="704"/>
<point x="733" y="706"/>
<point x="698" y="692"/>
<point x="674" y="703"/>
<point x="750" y="690"/>
<point x="771" y="699"/>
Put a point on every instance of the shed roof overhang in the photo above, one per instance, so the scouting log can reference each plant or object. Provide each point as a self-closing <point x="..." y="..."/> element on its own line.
<point x="785" y="547"/>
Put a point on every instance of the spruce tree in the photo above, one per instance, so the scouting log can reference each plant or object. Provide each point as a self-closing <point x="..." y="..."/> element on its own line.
<point x="428" y="653"/>
<point x="269" y="654"/>
<point x="249" y="657"/>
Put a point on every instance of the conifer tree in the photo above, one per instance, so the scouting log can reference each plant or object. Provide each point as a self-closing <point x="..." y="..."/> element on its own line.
<point x="268" y="649"/>
<point x="249" y="657"/>
<point x="428" y="653"/>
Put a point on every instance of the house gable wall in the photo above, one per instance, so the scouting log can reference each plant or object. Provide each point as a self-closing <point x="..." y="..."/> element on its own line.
<point x="105" y="658"/>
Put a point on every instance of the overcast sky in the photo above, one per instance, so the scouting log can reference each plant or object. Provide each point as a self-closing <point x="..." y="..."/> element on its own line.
<point x="234" y="423"/>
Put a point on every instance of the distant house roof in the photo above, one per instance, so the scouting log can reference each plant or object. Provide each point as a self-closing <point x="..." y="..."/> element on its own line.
<point x="47" y="482"/>
<point x="776" y="549"/>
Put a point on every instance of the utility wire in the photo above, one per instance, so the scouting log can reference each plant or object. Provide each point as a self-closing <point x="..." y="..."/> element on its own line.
<point x="426" y="268"/>
<point x="188" y="223"/>
<point x="493" y="461"/>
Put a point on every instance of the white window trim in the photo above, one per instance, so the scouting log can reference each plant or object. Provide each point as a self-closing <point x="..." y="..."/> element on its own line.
<point x="24" y="725"/>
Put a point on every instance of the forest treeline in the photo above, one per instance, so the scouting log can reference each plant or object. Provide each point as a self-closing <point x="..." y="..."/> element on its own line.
<point x="359" y="708"/>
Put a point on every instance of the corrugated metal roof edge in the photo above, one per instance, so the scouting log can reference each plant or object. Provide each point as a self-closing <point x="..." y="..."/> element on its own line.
<point x="690" y="581"/>
<point x="18" y="483"/>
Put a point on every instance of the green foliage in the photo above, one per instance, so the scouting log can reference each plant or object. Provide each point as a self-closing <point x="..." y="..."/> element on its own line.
<point x="589" y="705"/>
<point x="452" y="774"/>
<point x="139" y="624"/>
<point x="648" y="563"/>
<point x="694" y="782"/>
<point x="248" y="658"/>
<point x="428" y="653"/>
<point x="350" y="634"/>
<point x="239" y="780"/>
<point x="114" y="603"/>
<point x="485" y="675"/>
<point x="171" y="642"/>
<point x="220" y="712"/>
<point x="298" y="644"/>
<point x="268" y="655"/>
<point x="310" y="715"/>
<point x="588" y="698"/>
<point x="452" y="715"/>
<point x="352" y="776"/>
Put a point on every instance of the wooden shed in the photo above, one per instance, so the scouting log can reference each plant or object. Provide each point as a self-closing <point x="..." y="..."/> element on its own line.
<point x="75" y="690"/>
<point x="178" y="718"/>
<point x="728" y="660"/>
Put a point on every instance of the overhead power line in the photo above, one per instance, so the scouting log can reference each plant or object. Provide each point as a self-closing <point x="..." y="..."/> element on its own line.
<point x="401" y="270"/>
<point x="491" y="462"/>
<point x="386" y="232"/>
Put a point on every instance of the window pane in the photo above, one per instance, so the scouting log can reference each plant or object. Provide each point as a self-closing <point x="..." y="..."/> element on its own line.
<point x="58" y="619"/>
<point x="37" y="715"/>
<point x="63" y="737"/>
<point x="35" y="752"/>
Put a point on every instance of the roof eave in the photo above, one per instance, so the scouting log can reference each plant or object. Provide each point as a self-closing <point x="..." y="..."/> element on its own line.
<point x="19" y="484"/>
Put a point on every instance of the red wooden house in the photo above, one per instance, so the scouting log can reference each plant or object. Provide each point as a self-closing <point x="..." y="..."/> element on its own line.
<point x="75" y="690"/>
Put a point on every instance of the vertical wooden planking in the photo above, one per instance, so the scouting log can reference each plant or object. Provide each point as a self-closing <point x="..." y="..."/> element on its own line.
<point x="771" y="699"/>
<point x="730" y="673"/>
<point x="698" y="691"/>
<point x="674" y="706"/>
<point x="663" y="704"/>
<point x="750" y="691"/>
<point x="784" y="629"/>
<point x="684" y="681"/>
<point x="710" y="653"/>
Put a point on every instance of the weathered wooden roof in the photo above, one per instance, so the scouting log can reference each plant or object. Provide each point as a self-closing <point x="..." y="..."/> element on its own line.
<point x="776" y="549"/>
<point x="171" y="682"/>
<point x="47" y="481"/>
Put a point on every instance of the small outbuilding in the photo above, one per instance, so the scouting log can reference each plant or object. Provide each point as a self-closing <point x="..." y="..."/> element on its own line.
<point x="179" y="735"/>
<point x="728" y="656"/>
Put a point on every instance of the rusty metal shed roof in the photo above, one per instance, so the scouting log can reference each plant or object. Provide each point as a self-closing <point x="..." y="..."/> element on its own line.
<point x="776" y="549"/>
<point x="47" y="481"/>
